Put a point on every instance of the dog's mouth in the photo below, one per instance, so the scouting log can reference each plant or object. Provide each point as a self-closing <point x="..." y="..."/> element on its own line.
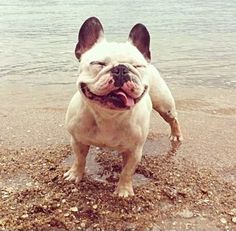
<point x="117" y="99"/>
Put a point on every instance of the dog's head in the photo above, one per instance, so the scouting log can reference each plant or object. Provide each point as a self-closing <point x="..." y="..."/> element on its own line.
<point x="112" y="75"/>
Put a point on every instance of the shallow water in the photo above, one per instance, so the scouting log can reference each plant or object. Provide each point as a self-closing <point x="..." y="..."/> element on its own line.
<point x="96" y="170"/>
<point x="193" y="42"/>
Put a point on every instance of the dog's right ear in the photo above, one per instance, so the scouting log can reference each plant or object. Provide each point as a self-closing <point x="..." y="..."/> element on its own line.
<point x="90" y="32"/>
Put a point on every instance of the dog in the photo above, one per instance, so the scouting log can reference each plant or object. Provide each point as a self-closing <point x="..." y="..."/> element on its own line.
<point x="117" y="89"/>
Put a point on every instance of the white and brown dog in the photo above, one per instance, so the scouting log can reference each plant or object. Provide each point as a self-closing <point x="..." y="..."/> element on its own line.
<point x="117" y="89"/>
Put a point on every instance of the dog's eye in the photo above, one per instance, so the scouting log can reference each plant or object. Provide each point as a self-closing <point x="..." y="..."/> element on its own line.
<point x="138" y="66"/>
<point x="102" y="64"/>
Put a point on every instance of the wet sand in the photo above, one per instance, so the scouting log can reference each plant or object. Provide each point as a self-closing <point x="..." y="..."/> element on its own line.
<point x="191" y="186"/>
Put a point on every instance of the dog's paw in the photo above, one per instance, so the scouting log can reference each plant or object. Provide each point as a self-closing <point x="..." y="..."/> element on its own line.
<point x="124" y="191"/>
<point x="176" y="137"/>
<point x="73" y="175"/>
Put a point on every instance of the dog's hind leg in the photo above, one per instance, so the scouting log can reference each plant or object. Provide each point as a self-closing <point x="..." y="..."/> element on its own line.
<point x="170" y="117"/>
<point x="163" y="102"/>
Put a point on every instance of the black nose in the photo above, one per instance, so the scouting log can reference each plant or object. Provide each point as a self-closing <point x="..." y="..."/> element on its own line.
<point x="120" y="75"/>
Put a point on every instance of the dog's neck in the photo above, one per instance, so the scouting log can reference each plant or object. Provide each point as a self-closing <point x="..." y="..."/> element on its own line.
<point x="107" y="114"/>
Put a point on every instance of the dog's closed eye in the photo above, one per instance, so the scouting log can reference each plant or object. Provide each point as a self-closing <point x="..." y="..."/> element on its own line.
<point x="138" y="66"/>
<point x="98" y="63"/>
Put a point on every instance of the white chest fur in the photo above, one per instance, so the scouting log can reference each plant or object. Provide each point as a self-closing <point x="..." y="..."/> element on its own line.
<point x="120" y="131"/>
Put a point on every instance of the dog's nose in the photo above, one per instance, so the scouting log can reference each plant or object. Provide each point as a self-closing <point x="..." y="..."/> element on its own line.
<point x="120" y="70"/>
<point x="120" y="75"/>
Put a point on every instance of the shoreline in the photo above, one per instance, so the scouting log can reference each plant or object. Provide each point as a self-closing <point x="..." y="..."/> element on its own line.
<point x="34" y="117"/>
<point x="34" y="144"/>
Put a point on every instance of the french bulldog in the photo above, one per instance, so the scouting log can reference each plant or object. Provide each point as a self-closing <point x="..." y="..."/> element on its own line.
<point x="117" y="89"/>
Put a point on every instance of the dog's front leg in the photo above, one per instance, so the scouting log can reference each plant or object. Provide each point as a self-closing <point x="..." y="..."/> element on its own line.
<point x="77" y="170"/>
<point x="130" y="162"/>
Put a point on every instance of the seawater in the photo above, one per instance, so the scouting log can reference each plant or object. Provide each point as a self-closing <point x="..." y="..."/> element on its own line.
<point x="193" y="42"/>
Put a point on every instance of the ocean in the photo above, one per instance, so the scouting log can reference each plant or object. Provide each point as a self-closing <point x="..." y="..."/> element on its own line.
<point x="193" y="42"/>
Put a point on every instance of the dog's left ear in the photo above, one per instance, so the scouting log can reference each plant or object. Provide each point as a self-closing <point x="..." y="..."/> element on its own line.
<point x="90" y="32"/>
<point x="139" y="37"/>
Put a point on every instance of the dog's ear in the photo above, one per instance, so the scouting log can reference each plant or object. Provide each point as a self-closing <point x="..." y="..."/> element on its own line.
<point x="90" y="32"/>
<point x="139" y="37"/>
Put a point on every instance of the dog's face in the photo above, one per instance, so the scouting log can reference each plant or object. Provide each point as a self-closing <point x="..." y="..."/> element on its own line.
<point x="112" y="75"/>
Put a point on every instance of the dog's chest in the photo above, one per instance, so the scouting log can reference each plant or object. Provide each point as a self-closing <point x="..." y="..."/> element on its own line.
<point x="108" y="134"/>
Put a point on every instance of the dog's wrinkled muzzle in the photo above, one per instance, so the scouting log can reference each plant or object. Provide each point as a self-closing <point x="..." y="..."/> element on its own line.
<point x="120" y="75"/>
<point x="116" y="99"/>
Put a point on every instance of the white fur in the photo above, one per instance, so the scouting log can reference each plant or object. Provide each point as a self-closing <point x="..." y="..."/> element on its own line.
<point x="127" y="130"/>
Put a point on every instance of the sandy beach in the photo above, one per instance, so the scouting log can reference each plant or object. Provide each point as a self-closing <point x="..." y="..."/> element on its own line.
<point x="191" y="186"/>
<point x="188" y="186"/>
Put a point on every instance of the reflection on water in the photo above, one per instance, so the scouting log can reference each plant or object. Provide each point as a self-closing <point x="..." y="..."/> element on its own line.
<point x="95" y="169"/>
<point x="97" y="172"/>
<point x="193" y="42"/>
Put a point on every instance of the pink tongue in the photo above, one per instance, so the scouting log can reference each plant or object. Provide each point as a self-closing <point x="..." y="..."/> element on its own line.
<point x="127" y="100"/>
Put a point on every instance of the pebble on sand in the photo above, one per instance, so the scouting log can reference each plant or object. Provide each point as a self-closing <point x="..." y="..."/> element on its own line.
<point x="74" y="209"/>
<point x="223" y="220"/>
<point x="186" y="213"/>
<point x="234" y="220"/>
